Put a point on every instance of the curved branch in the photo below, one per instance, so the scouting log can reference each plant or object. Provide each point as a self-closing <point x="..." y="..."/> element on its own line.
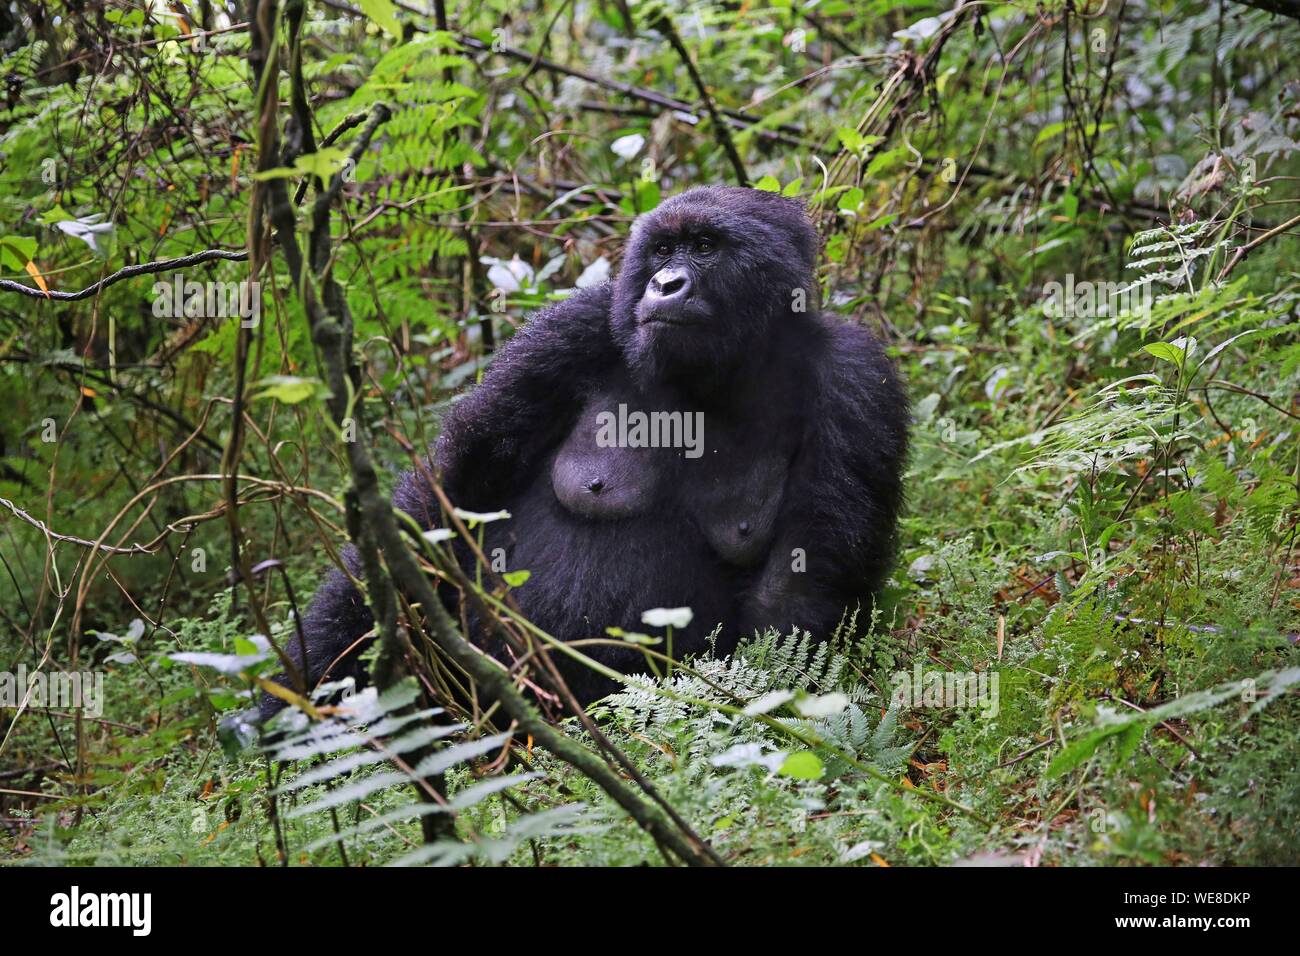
<point x="126" y="272"/>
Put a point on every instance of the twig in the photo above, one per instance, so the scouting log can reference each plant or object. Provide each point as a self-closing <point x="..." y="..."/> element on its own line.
<point x="1243" y="251"/>
<point x="84" y="542"/>
<point x="1233" y="387"/>
<point x="127" y="272"/>
<point x="664" y="24"/>
<point x="1028" y="753"/>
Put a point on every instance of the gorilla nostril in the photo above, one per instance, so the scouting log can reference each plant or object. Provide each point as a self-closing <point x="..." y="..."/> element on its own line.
<point x="667" y="283"/>
<point x="595" y="485"/>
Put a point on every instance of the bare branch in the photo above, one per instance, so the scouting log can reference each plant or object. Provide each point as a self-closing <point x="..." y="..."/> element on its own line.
<point x="127" y="272"/>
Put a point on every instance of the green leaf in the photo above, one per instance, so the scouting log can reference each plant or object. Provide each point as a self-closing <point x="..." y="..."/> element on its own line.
<point x="886" y="162"/>
<point x="516" y="578"/>
<point x="1166" y="352"/>
<point x="643" y="195"/>
<point x="56" y="213"/>
<point x="1070" y="205"/>
<point x="1048" y="131"/>
<point x="1129" y="738"/>
<point x="383" y="13"/>
<point x="850" y="138"/>
<point x="1075" y="753"/>
<point x="17" y="251"/>
<point x="803" y="765"/>
<point x="1056" y="129"/>
<point x="768" y="184"/>
<point x="291" y="389"/>
<point x="323" y="163"/>
<point x="276" y="172"/>
<point x="632" y="637"/>
<point x="852" y="200"/>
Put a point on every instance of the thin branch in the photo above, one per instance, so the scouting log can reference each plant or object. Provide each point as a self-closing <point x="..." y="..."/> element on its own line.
<point x="84" y="542"/>
<point x="664" y="24"/>
<point x="1243" y="251"/>
<point x="127" y="272"/>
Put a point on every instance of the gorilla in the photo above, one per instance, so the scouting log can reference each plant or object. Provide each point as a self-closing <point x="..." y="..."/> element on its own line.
<point x="696" y="433"/>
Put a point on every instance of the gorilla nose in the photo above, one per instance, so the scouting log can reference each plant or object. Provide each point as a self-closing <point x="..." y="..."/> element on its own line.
<point x="669" y="284"/>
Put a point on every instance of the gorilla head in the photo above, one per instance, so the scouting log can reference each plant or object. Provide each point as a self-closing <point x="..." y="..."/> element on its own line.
<point x="704" y="277"/>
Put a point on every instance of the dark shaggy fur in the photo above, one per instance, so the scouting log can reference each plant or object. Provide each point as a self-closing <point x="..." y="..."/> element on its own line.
<point x="786" y="519"/>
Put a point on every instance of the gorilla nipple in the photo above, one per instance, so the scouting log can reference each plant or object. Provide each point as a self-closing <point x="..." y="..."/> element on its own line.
<point x="744" y="529"/>
<point x="595" y="485"/>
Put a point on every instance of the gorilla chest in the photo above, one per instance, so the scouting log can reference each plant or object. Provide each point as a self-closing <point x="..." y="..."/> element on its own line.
<point x="621" y="461"/>
<point x="617" y="460"/>
<point x="734" y="498"/>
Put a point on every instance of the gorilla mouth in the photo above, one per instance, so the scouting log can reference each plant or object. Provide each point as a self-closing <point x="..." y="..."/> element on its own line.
<point x="685" y="315"/>
<point x="668" y="320"/>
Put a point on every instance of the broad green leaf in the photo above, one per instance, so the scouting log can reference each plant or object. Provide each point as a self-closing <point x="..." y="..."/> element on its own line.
<point x="383" y="13"/>
<point x="17" y="251"/>
<point x="802" y="765"/>
<point x="851" y="201"/>
<point x="1165" y="352"/>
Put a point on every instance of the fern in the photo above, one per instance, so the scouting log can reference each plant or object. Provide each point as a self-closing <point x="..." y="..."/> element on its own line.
<point x="358" y="753"/>
<point x="699" y="706"/>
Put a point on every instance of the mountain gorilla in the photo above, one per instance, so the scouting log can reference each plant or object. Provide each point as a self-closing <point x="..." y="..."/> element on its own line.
<point x="774" y="502"/>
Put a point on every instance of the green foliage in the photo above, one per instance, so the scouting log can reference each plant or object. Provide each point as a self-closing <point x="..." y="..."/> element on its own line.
<point x="1074" y="229"/>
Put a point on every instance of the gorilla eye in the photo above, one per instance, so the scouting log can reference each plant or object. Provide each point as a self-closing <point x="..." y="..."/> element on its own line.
<point x="664" y="250"/>
<point x="705" y="244"/>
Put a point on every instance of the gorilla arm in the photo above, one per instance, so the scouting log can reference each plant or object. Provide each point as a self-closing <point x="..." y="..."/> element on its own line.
<point x="834" y="541"/>
<point x="493" y="438"/>
<point x="489" y="445"/>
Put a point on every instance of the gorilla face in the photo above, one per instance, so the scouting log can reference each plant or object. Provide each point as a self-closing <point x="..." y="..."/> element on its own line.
<point x="677" y="294"/>
<point x="704" y="277"/>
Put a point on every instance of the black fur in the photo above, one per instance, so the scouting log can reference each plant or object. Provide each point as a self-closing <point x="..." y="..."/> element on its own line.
<point x="805" y="433"/>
